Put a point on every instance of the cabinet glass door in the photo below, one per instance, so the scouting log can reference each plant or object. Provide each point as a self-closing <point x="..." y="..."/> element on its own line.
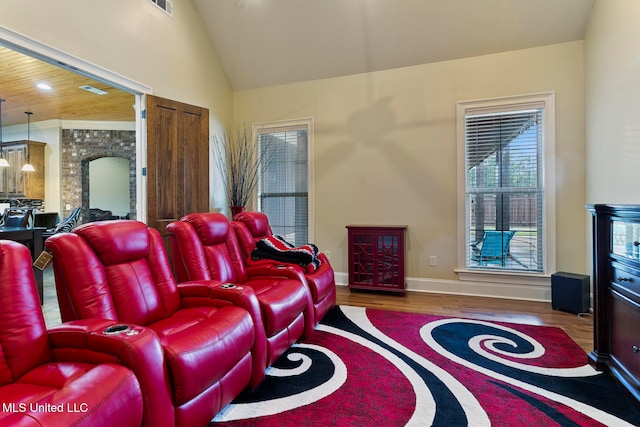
<point x="363" y="258"/>
<point x="388" y="259"/>
<point x="625" y="239"/>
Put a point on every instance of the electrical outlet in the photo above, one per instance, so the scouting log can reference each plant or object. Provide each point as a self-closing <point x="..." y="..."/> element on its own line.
<point x="433" y="261"/>
<point x="328" y="254"/>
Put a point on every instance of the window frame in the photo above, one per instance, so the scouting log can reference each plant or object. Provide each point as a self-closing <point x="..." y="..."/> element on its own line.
<point x="511" y="103"/>
<point x="284" y="125"/>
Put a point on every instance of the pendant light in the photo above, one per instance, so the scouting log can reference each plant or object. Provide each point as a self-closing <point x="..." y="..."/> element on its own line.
<point x="28" y="167"/>
<point x="3" y="161"/>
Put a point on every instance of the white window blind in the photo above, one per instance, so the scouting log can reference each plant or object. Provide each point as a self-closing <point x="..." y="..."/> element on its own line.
<point x="283" y="193"/>
<point x="504" y="201"/>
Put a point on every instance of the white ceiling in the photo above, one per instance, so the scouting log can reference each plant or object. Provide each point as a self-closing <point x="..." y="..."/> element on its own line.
<point x="269" y="42"/>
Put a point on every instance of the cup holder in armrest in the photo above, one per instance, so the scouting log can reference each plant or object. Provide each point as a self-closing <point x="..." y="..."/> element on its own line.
<point x="227" y="286"/>
<point x="116" y="329"/>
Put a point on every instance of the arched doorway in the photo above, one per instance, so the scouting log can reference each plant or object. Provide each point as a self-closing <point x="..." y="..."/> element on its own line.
<point x="130" y="169"/>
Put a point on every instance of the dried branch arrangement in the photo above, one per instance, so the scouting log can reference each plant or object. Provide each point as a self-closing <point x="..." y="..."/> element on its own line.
<point x="239" y="162"/>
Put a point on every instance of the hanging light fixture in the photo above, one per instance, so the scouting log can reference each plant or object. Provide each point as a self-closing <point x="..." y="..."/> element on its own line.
<point x="3" y="161"/>
<point x="28" y="167"/>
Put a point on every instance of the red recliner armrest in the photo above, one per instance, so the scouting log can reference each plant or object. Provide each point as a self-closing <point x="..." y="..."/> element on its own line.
<point x="209" y="292"/>
<point x="290" y="272"/>
<point x="138" y="349"/>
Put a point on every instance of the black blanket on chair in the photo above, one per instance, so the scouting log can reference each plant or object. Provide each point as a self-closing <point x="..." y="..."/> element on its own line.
<point x="277" y="249"/>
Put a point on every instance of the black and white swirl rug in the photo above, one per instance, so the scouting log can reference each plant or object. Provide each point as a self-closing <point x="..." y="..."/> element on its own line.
<point x="366" y="367"/>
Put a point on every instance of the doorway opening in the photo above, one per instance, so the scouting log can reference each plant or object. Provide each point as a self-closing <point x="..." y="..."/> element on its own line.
<point x="108" y="188"/>
<point x="58" y="171"/>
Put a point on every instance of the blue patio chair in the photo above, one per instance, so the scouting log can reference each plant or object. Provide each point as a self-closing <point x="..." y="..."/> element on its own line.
<point x="493" y="248"/>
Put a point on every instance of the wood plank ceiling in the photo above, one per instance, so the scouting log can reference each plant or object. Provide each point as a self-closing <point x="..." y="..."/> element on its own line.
<point x="19" y="75"/>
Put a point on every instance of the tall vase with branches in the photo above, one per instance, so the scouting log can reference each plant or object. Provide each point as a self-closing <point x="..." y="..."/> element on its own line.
<point x="240" y="164"/>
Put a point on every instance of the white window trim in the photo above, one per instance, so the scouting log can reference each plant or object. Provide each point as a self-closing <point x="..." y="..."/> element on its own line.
<point x="549" y="174"/>
<point x="263" y="127"/>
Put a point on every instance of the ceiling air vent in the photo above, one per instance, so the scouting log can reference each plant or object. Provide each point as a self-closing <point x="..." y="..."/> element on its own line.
<point x="165" y="5"/>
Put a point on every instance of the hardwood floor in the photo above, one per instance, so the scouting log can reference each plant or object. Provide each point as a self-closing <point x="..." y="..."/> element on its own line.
<point x="579" y="328"/>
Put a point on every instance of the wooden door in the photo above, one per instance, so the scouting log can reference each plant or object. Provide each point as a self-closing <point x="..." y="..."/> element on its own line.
<point x="177" y="161"/>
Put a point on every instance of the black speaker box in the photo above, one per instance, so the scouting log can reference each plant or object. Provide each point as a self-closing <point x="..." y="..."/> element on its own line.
<point x="570" y="292"/>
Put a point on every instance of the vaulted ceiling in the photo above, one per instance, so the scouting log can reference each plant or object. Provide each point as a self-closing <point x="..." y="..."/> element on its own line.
<point x="269" y="42"/>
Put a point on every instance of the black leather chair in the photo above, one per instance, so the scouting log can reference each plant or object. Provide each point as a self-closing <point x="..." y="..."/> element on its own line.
<point x="47" y="219"/>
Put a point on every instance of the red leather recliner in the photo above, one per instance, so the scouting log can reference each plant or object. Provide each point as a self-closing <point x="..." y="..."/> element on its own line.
<point x="44" y="382"/>
<point x="253" y="226"/>
<point x="119" y="270"/>
<point x="204" y="248"/>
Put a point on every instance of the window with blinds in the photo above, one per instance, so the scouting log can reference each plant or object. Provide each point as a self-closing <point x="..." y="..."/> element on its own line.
<point x="283" y="189"/>
<point x="504" y="186"/>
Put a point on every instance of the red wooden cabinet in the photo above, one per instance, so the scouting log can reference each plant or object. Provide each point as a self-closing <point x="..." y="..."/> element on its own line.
<point x="376" y="257"/>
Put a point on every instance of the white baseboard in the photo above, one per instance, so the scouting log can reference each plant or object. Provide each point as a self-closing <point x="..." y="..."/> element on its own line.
<point x="342" y="279"/>
<point x="519" y="291"/>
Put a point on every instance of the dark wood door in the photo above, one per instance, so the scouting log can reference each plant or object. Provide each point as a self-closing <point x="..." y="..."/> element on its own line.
<point x="177" y="161"/>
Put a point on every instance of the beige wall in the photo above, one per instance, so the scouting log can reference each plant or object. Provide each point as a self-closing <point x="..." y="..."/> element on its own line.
<point x="612" y="75"/>
<point x="385" y="146"/>
<point x="109" y="185"/>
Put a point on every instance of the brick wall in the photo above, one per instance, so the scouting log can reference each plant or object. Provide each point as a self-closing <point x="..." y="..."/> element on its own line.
<point x="79" y="147"/>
